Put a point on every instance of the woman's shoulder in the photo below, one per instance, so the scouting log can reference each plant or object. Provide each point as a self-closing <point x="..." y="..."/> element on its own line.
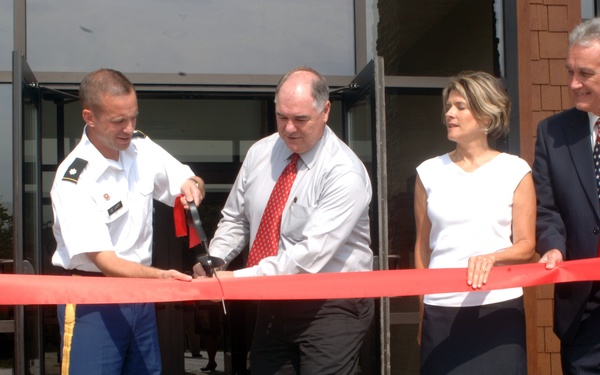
<point x="436" y="161"/>
<point x="433" y="166"/>
<point x="513" y="159"/>
<point x="513" y="165"/>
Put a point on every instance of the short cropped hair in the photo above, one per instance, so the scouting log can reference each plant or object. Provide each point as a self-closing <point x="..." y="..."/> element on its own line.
<point x="101" y="82"/>
<point x="486" y="99"/>
<point x="320" y="89"/>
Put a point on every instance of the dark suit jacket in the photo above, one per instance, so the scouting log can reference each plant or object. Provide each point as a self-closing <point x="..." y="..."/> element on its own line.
<point x="567" y="207"/>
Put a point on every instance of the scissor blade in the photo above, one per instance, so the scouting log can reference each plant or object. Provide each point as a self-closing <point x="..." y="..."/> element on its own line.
<point x="198" y="224"/>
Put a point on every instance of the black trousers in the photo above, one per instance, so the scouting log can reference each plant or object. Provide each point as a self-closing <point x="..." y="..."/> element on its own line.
<point x="309" y="337"/>
<point x="582" y="355"/>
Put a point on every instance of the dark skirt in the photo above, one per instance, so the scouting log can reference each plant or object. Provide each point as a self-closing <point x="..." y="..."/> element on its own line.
<point x="488" y="339"/>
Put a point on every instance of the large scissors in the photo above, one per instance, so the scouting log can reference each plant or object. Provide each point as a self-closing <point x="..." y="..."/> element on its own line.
<point x="208" y="262"/>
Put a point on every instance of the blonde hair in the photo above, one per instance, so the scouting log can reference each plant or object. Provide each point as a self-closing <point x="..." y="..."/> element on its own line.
<point x="486" y="98"/>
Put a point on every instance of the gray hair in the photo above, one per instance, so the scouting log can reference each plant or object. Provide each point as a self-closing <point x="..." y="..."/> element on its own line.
<point x="585" y="33"/>
<point x="320" y="89"/>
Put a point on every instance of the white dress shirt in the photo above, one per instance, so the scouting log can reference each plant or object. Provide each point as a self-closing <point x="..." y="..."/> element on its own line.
<point x="593" y="129"/>
<point x="109" y="205"/>
<point x="325" y="224"/>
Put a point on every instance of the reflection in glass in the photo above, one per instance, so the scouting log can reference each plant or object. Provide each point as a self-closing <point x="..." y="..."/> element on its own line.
<point x="436" y="37"/>
<point x="183" y="37"/>
<point x="360" y="129"/>
<point x="31" y="220"/>
<point x="414" y="134"/>
<point x="6" y="34"/>
<point x="6" y="149"/>
<point x="6" y="217"/>
<point x="587" y="9"/>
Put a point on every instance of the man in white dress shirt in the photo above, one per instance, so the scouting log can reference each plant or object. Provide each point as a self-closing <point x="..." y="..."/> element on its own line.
<point x="102" y="198"/>
<point x="324" y="228"/>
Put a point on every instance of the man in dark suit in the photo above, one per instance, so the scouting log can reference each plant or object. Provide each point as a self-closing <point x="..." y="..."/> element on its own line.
<point x="568" y="224"/>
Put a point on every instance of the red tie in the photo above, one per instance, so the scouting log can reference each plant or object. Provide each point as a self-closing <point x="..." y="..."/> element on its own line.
<point x="266" y="243"/>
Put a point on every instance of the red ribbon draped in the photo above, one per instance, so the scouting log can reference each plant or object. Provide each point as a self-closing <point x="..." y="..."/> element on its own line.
<point x="182" y="227"/>
<point x="44" y="289"/>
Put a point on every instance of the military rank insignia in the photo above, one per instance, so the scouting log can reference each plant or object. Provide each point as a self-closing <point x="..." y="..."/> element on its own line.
<point x="74" y="171"/>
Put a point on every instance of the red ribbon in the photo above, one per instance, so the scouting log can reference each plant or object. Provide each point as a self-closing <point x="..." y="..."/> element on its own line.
<point x="44" y="289"/>
<point x="183" y="227"/>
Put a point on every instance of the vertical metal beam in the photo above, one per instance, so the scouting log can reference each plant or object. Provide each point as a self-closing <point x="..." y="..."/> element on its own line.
<point x="60" y="129"/>
<point x="20" y="27"/>
<point x="381" y="154"/>
<point x="18" y="58"/>
<point x="20" y="48"/>
<point x="360" y="35"/>
<point x="511" y="75"/>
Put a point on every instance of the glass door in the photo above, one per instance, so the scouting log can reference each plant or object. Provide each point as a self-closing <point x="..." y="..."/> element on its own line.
<point x="363" y="103"/>
<point x="26" y="199"/>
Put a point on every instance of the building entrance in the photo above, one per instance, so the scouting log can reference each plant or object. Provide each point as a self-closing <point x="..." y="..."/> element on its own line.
<point x="211" y="132"/>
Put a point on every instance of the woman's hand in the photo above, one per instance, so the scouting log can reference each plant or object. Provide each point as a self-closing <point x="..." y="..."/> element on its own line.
<point x="479" y="270"/>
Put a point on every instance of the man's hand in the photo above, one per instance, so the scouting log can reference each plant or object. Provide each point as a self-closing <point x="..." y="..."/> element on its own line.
<point x="198" y="270"/>
<point x="551" y="258"/>
<point x="174" y="274"/>
<point x="111" y="265"/>
<point x="224" y="274"/>
<point x="192" y="190"/>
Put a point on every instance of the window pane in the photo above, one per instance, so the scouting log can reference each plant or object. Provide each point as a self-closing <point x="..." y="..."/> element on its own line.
<point x="6" y="146"/>
<point x="178" y="36"/>
<point x="436" y="37"/>
<point x="414" y="133"/>
<point x="6" y="34"/>
<point x="587" y="9"/>
<point x="6" y="191"/>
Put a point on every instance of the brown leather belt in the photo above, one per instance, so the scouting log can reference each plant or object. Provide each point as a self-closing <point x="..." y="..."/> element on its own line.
<point x="75" y="272"/>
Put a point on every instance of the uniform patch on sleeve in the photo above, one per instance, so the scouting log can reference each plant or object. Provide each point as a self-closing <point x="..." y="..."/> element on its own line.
<point x="74" y="171"/>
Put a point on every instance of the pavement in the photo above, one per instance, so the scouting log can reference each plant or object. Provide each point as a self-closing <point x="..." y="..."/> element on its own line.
<point x="192" y="365"/>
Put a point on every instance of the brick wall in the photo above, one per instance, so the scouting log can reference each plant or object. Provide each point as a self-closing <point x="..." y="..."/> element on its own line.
<point x="544" y="26"/>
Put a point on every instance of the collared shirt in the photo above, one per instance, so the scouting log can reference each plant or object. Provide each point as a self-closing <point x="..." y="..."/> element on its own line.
<point x="593" y="131"/>
<point x="109" y="205"/>
<point x="325" y="224"/>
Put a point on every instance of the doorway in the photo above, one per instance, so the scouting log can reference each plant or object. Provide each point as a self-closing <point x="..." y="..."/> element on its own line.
<point x="212" y="133"/>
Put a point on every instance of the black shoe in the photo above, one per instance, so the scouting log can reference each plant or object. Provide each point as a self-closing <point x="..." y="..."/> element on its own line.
<point x="209" y="367"/>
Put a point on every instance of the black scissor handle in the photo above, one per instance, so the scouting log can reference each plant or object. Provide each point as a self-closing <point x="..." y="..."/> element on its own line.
<point x="209" y="263"/>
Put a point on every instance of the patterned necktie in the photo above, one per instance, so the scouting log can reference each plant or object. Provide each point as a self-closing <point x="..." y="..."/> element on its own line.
<point x="266" y="242"/>
<point x="597" y="156"/>
<point x="597" y="165"/>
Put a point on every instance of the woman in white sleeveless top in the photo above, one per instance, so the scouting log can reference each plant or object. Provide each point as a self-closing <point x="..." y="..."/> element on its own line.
<point x="474" y="209"/>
